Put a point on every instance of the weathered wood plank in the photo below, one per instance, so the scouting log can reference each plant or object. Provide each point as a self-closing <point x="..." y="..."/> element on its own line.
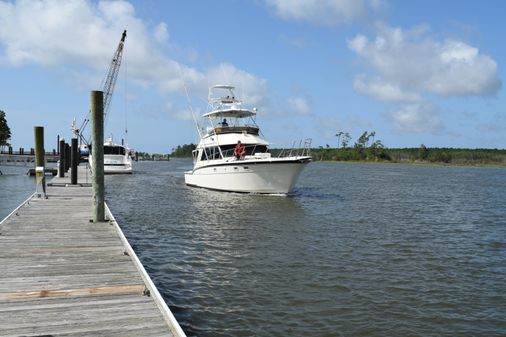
<point x="119" y="289"/>
<point x="65" y="276"/>
<point x="71" y="303"/>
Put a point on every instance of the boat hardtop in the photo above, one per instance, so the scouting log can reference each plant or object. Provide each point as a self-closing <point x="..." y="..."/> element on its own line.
<point x="224" y="104"/>
<point x="110" y="147"/>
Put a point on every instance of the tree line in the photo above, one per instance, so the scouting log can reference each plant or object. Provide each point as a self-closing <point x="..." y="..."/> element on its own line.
<point x="183" y="151"/>
<point x="368" y="148"/>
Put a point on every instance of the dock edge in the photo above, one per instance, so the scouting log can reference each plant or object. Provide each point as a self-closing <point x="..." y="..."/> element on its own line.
<point x="154" y="293"/>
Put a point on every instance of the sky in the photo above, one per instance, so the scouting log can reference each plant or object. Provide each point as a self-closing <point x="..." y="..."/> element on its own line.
<point x="414" y="72"/>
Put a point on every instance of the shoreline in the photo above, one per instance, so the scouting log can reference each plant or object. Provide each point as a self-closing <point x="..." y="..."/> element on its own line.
<point x="409" y="163"/>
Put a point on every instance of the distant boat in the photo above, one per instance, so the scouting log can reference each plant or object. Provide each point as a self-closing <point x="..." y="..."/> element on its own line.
<point x="219" y="166"/>
<point x="117" y="158"/>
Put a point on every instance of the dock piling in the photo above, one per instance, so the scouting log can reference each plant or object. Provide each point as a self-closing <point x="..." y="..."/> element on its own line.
<point x="39" y="160"/>
<point x="97" y="152"/>
<point x="67" y="157"/>
<point x="74" y="160"/>
<point x="61" y="166"/>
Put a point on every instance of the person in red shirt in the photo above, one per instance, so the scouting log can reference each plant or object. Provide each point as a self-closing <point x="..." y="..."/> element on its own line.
<point x="240" y="150"/>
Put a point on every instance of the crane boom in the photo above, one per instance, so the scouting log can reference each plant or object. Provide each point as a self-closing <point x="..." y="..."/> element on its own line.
<point x="110" y="79"/>
<point x="107" y="87"/>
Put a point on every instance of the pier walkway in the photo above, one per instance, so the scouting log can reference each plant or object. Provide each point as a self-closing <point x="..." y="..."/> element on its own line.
<point x="63" y="275"/>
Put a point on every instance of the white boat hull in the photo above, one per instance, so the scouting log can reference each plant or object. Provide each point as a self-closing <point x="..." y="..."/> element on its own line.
<point x="115" y="164"/>
<point x="255" y="176"/>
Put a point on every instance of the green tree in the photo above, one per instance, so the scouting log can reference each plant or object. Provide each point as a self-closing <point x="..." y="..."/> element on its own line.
<point x="183" y="151"/>
<point x="360" y="146"/>
<point x="423" y="152"/>
<point x="338" y="135"/>
<point x="346" y="140"/>
<point x="5" y="131"/>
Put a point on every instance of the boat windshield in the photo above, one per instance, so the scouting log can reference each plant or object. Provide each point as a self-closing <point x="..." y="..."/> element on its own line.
<point x="114" y="150"/>
<point x="213" y="152"/>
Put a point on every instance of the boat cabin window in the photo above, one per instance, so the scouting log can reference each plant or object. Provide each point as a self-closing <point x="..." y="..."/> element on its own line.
<point x="114" y="150"/>
<point x="210" y="153"/>
<point x="251" y="149"/>
<point x="195" y="154"/>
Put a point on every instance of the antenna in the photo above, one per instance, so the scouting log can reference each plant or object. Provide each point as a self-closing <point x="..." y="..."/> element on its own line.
<point x="125" y="72"/>
<point x="188" y="101"/>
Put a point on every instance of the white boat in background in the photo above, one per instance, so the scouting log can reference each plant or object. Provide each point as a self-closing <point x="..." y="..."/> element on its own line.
<point x="216" y="165"/>
<point x="117" y="158"/>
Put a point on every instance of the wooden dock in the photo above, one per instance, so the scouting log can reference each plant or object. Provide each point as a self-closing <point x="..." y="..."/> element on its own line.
<point x="63" y="275"/>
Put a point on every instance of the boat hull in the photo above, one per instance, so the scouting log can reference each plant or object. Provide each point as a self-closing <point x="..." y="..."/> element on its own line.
<point x="267" y="177"/>
<point x="115" y="164"/>
<point x="116" y="169"/>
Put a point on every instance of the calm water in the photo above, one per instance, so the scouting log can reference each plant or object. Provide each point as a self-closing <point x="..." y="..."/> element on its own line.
<point x="15" y="187"/>
<point x="360" y="250"/>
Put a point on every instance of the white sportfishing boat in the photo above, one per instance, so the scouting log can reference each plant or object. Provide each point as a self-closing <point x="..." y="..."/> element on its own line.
<point x="117" y="158"/>
<point x="218" y="166"/>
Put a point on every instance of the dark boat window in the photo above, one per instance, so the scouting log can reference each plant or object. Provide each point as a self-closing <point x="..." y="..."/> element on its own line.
<point x="114" y="150"/>
<point x="210" y="153"/>
<point x="251" y="149"/>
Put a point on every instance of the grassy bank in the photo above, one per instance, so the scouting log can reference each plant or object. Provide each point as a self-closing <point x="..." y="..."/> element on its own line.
<point x="422" y="155"/>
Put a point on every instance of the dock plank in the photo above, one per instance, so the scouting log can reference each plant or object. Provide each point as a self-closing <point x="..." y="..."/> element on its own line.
<point x="63" y="275"/>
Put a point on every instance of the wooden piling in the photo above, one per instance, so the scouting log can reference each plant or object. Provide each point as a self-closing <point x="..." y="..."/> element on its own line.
<point x="97" y="154"/>
<point x="61" y="167"/>
<point x="73" y="161"/>
<point x="39" y="151"/>
<point x="67" y="157"/>
<point x="39" y="145"/>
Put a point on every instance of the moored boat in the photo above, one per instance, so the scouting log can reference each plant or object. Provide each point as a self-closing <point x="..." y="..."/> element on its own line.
<point x="117" y="158"/>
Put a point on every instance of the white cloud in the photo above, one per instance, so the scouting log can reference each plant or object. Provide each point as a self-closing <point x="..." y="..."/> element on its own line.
<point x="413" y="62"/>
<point x="323" y="12"/>
<point x="404" y="67"/>
<point x="161" y="33"/>
<point x="417" y="118"/>
<point x="301" y="106"/>
<point x="81" y="33"/>
<point x="386" y="92"/>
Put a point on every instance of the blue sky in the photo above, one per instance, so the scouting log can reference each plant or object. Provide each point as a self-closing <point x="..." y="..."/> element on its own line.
<point x="415" y="72"/>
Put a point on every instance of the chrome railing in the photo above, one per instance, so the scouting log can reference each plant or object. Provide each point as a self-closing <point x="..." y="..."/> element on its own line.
<point x="304" y="149"/>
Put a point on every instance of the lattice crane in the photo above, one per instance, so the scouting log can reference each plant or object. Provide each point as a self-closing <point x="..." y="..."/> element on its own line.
<point x="112" y="75"/>
<point x="107" y="87"/>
